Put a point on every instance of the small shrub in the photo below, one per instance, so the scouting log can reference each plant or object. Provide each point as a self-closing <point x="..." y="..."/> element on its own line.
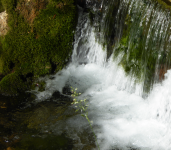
<point x="81" y="105"/>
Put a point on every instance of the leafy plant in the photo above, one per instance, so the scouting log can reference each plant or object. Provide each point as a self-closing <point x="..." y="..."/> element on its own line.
<point x="82" y="106"/>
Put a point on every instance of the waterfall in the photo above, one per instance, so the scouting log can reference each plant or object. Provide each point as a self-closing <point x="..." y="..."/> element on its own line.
<point x="141" y="30"/>
<point x="117" y="59"/>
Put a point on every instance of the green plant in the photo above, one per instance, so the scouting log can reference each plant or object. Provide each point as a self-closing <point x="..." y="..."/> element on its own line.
<point x="82" y="106"/>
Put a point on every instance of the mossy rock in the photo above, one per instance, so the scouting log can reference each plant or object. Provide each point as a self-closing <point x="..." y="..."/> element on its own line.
<point x="39" y="40"/>
<point x="11" y="84"/>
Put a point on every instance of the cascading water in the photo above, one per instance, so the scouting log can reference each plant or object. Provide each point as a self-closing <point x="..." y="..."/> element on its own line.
<point x="122" y="118"/>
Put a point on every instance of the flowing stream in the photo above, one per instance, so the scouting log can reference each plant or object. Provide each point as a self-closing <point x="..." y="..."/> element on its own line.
<point x="123" y="118"/>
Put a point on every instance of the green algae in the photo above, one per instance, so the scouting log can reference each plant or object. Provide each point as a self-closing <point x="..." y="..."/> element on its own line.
<point x="36" y="41"/>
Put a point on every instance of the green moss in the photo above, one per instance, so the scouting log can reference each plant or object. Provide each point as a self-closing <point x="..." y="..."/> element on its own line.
<point x="11" y="84"/>
<point x="36" y="47"/>
<point x="9" y="5"/>
<point x="1" y="65"/>
<point x="1" y="61"/>
<point x="1" y="7"/>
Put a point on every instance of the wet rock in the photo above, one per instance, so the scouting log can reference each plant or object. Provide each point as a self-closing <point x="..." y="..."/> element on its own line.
<point x="62" y="99"/>
<point x="87" y="139"/>
<point x="10" y="103"/>
<point x="81" y="3"/>
<point x="66" y="90"/>
<point x="45" y="114"/>
<point x="56" y="94"/>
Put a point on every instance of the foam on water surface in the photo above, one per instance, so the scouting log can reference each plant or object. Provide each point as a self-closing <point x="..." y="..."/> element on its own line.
<point x="121" y="117"/>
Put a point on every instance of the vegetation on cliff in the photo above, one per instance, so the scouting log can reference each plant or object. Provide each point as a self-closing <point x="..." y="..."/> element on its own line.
<point x="39" y="41"/>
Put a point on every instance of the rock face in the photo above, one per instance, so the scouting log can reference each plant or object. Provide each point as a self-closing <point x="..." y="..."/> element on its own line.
<point x="3" y="23"/>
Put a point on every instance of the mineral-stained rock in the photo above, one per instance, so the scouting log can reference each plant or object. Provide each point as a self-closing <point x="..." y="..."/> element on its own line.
<point x="3" y="23"/>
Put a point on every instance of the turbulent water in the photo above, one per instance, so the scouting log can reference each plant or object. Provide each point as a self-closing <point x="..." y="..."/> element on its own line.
<point x="122" y="119"/>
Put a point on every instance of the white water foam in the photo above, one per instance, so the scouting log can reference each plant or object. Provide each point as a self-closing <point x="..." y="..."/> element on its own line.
<point x="121" y="117"/>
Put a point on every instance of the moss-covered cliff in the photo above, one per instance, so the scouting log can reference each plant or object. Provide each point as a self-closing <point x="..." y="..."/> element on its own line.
<point x="38" y="42"/>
